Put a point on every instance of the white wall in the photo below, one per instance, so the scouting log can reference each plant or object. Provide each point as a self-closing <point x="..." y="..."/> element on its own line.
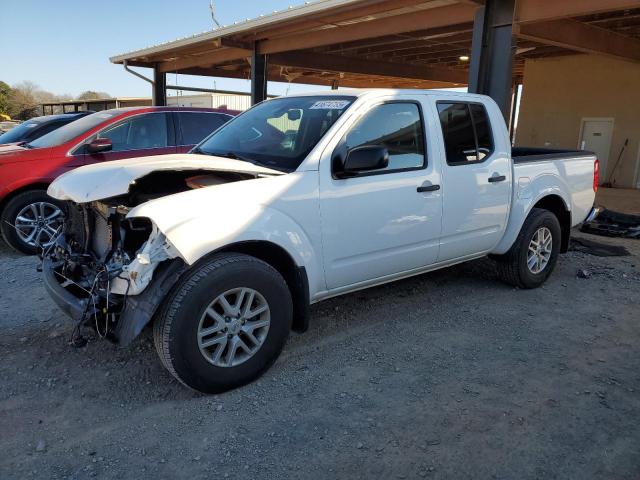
<point x="211" y="100"/>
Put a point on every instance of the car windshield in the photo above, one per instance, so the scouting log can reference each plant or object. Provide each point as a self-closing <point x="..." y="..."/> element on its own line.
<point x="278" y="133"/>
<point x="19" y="132"/>
<point x="71" y="130"/>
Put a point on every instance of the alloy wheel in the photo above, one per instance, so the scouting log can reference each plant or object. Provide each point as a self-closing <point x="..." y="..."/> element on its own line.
<point x="38" y="223"/>
<point x="539" y="252"/>
<point x="233" y="327"/>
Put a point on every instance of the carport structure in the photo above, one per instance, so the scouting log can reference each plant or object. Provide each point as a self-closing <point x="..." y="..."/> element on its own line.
<point x="399" y="44"/>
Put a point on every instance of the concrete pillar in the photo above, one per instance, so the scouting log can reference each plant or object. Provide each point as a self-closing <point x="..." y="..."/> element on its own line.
<point x="258" y="76"/>
<point x="492" y="51"/>
<point x="159" y="94"/>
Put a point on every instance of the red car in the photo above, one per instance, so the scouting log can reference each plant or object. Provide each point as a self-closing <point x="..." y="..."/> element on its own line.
<point x="29" y="218"/>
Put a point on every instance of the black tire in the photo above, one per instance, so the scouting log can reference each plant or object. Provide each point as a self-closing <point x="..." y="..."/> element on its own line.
<point x="176" y="328"/>
<point x="512" y="266"/>
<point x="10" y="212"/>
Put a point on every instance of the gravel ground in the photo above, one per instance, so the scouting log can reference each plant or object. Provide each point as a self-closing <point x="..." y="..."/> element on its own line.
<point x="447" y="375"/>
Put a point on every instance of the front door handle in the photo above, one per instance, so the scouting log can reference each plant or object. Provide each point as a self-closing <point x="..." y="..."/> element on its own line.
<point x="428" y="188"/>
<point x="497" y="178"/>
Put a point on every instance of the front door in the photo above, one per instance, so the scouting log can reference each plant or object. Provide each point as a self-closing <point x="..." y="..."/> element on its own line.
<point x="137" y="136"/>
<point x="596" y="137"/>
<point x="387" y="221"/>
<point x="477" y="181"/>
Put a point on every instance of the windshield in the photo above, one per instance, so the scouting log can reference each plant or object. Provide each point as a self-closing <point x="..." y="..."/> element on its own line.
<point x="19" y="132"/>
<point x="72" y="130"/>
<point x="278" y="133"/>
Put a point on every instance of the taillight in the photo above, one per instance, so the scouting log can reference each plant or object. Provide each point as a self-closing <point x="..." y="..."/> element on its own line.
<point x="596" y="175"/>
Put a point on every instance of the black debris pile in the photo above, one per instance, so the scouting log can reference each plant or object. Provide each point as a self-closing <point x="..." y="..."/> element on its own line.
<point x="614" y="224"/>
<point x="596" y="248"/>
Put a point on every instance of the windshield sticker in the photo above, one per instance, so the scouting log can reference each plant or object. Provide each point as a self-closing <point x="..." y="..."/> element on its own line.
<point x="30" y="125"/>
<point x="329" y="105"/>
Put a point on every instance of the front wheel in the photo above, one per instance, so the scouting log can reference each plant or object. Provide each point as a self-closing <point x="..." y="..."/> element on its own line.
<point x="534" y="254"/>
<point x="30" y="221"/>
<point x="225" y="323"/>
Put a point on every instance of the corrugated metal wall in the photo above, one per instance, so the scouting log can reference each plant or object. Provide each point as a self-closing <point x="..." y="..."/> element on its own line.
<point x="211" y="100"/>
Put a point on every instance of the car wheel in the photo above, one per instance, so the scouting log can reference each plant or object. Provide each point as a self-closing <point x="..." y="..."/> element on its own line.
<point x="31" y="220"/>
<point x="534" y="254"/>
<point x="225" y="323"/>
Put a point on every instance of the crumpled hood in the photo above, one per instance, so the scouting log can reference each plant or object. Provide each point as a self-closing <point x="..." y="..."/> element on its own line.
<point x="110" y="179"/>
<point x="198" y="221"/>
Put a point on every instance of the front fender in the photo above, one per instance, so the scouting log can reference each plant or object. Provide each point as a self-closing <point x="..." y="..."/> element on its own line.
<point x="527" y="193"/>
<point x="194" y="236"/>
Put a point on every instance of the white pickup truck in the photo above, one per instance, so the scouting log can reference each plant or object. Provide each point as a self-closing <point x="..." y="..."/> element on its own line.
<point x="299" y="199"/>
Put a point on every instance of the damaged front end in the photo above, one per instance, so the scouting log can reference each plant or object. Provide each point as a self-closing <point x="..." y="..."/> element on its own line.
<point x="110" y="271"/>
<point x="100" y="269"/>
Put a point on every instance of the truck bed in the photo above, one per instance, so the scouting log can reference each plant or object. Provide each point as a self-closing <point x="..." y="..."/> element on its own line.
<point x="535" y="154"/>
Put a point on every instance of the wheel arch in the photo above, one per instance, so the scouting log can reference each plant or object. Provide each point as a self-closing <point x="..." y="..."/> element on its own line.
<point x="556" y="205"/>
<point x="295" y="276"/>
<point x="24" y="188"/>
<point x="550" y="198"/>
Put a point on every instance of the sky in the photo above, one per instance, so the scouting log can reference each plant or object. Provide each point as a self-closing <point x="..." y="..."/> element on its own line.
<point x="64" y="45"/>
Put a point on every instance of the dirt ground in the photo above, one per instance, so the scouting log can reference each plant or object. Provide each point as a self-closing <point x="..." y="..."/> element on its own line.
<point x="448" y="375"/>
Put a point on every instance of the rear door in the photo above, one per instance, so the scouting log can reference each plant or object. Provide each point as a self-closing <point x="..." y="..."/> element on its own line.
<point x="137" y="136"/>
<point x="476" y="170"/>
<point x="193" y="127"/>
<point x="383" y="222"/>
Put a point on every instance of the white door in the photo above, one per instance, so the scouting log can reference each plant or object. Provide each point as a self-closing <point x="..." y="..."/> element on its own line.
<point x="596" y="137"/>
<point x="476" y="181"/>
<point x="386" y="221"/>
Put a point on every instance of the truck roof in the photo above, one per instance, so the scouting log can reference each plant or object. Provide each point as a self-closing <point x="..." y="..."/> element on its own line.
<point x="383" y="92"/>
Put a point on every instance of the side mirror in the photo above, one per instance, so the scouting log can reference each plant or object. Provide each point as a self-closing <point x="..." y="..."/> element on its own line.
<point x="99" y="145"/>
<point x="364" y="159"/>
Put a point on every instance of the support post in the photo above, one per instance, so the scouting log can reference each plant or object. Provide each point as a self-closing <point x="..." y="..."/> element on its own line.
<point x="515" y="98"/>
<point x="492" y="51"/>
<point x="159" y="97"/>
<point x="258" y="76"/>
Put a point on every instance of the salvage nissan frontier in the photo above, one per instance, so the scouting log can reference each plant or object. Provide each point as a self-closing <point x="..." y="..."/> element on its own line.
<point x="299" y="199"/>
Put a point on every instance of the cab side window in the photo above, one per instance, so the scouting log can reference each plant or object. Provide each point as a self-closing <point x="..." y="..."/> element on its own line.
<point x="396" y="126"/>
<point x="466" y="131"/>
<point x="137" y="133"/>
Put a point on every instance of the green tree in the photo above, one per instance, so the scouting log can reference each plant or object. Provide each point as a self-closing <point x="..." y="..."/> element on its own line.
<point x="5" y="93"/>
<point x="92" y="95"/>
<point x="23" y="104"/>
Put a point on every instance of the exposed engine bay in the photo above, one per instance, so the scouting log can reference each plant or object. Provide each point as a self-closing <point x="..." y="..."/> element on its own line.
<point x="101" y="265"/>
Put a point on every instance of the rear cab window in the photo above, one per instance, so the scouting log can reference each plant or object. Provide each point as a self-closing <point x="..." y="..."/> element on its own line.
<point x="466" y="131"/>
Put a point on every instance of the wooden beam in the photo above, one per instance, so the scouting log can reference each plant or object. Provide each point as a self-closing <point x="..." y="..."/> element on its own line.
<point x="338" y="63"/>
<point x="334" y="17"/>
<point x="402" y="47"/>
<point x="196" y="49"/>
<point x="215" y="57"/>
<point x="217" y="72"/>
<point x="582" y="37"/>
<point x="389" y="42"/>
<point x="408" y="22"/>
<point x="317" y="78"/>
<point x="539" y="10"/>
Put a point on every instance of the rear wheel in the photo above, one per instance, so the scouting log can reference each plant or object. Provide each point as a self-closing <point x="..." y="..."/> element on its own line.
<point x="534" y="254"/>
<point x="30" y="221"/>
<point x="225" y="323"/>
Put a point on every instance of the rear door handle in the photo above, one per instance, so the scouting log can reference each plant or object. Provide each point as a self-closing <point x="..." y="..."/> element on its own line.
<point x="428" y="188"/>
<point x="497" y="178"/>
